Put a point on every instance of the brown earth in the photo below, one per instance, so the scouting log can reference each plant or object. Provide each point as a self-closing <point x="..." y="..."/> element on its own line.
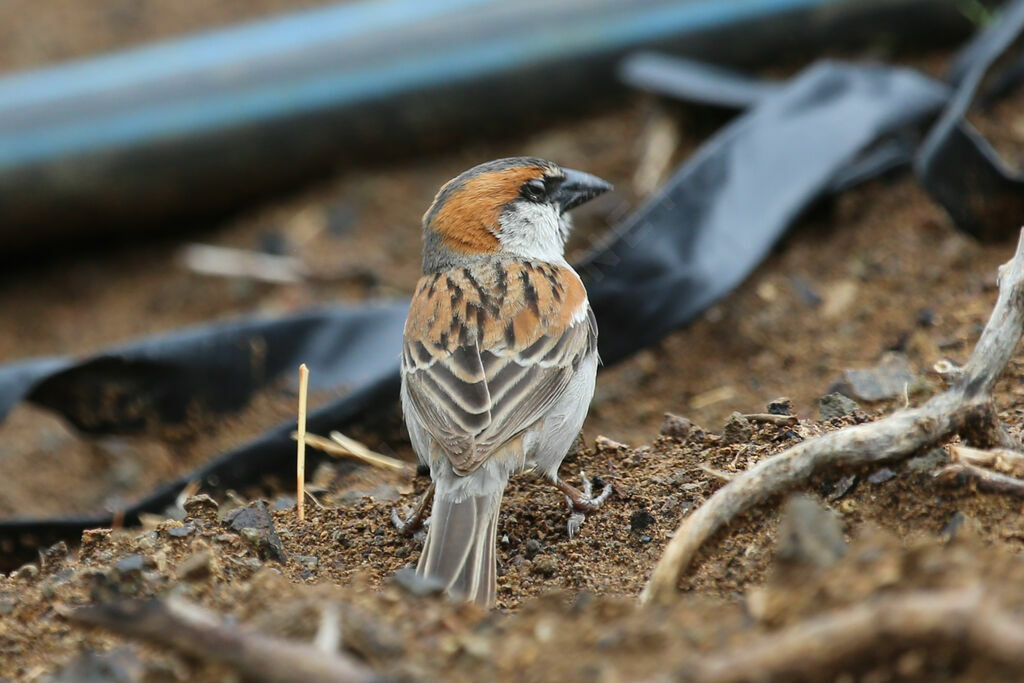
<point x="878" y="270"/>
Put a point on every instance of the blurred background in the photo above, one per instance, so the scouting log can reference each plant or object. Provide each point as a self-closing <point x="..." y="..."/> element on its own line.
<point x="166" y="165"/>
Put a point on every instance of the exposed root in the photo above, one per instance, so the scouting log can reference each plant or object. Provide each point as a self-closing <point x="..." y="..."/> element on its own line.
<point x="964" y="408"/>
<point x="961" y="617"/>
<point x="189" y="629"/>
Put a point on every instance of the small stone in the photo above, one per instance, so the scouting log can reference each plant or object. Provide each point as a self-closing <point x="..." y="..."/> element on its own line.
<point x="545" y="566"/>
<point x="254" y="523"/>
<point x="307" y="562"/>
<point x="180" y="531"/>
<point x="809" y="534"/>
<point x="26" y="572"/>
<point x="283" y="503"/>
<point x="146" y="541"/>
<point x="645" y="539"/>
<point x="93" y="537"/>
<point x="737" y="430"/>
<point x="780" y="406"/>
<point x="201" y="507"/>
<point x="836" y="405"/>
<point x="53" y="558"/>
<point x="843" y="487"/>
<point x="121" y="664"/>
<point x="891" y="378"/>
<point x="416" y="585"/>
<point x="640" y="520"/>
<point x="6" y="606"/>
<point x="532" y="548"/>
<point x="197" y="566"/>
<point x="677" y="426"/>
<point x="929" y="461"/>
<point x="881" y="476"/>
<point x="130" y="565"/>
<point x="958" y="524"/>
<point x="603" y="445"/>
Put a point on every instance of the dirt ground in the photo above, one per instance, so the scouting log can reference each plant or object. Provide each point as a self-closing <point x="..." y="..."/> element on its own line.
<point x="877" y="271"/>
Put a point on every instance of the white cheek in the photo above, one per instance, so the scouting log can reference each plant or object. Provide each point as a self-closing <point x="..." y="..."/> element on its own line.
<point x="534" y="231"/>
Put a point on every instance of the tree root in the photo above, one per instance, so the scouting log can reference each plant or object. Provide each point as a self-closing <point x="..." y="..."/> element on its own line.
<point x="965" y="408"/>
<point x="191" y="630"/>
<point x="961" y="617"/>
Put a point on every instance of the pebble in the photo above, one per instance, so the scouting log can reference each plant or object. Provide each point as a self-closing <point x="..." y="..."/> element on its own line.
<point x="201" y="507"/>
<point x="545" y="566"/>
<point x="929" y="461"/>
<point x="640" y="520"/>
<point x="603" y="444"/>
<point x="307" y="562"/>
<point x="780" y="406"/>
<point x="146" y="541"/>
<point x="881" y="476"/>
<point x="889" y="379"/>
<point x="836" y="405"/>
<point x="256" y="526"/>
<point x="677" y="426"/>
<point x="181" y="531"/>
<point x="809" y="534"/>
<point x="737" y="430"/>
<point x="129" y="565"/>
<point x="412" y="583"/>
<point x="197" y="566"/>
<point x="54" y="557"/>
<point x="532" y="548"/>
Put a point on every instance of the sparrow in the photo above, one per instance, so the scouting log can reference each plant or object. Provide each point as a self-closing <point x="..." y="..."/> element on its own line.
<point x="499" y="358"/>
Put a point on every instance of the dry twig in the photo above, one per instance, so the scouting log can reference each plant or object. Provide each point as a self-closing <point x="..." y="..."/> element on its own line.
<point x="772" y="418"/>
<point x="984" y="479"/>
<point x="189" y="629"/>
<point x="965" y="408"/>
<point x="997" y="470"/>
<point x="957" y="617"/>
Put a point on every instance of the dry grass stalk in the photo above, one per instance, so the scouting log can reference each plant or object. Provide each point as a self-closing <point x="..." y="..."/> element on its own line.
<point x="300" y="441"/>
<point x="360" y="452"/>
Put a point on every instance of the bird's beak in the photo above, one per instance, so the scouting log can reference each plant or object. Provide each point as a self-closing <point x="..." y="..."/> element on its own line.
<point x="577" y="188"/>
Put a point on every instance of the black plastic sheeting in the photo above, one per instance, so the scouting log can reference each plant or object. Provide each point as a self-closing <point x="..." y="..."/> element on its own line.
<point x="957" y="166"/>
<point x="831" y="126"/>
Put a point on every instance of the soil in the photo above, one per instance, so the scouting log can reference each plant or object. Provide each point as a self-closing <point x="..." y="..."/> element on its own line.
<point x="877" y="271"/>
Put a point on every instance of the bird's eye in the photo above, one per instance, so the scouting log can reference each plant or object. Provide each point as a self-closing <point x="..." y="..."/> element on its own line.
<point x="534" y="190"/>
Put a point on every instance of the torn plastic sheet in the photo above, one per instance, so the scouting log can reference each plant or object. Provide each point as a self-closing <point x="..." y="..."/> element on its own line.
<point x="698" y="238"/>
<point x="353" y="351"/>
<point x="716" y="219"/>
<point x="695" y="82"/>
<point x="957" y="165"/>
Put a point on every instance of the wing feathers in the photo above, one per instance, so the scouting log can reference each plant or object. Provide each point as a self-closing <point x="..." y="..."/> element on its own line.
<point x="514" y="335"/>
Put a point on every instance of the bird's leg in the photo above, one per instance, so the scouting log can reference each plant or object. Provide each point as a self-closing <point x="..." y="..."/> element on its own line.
<point x="415" y="521"/>
<point x="581" y="502"/>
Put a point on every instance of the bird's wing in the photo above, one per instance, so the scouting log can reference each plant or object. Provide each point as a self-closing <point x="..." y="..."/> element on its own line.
<point x="488" y="351"/>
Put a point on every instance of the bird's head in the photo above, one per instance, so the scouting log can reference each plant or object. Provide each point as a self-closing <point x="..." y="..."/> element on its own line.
<point x="517" y="206"/>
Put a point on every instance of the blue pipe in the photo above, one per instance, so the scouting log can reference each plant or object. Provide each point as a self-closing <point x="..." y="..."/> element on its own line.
<point x="200" y="125"/>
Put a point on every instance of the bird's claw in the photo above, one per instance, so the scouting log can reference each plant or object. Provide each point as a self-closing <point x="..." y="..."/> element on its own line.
<point x="417" y="518"/>
<point x="582" y="502"/>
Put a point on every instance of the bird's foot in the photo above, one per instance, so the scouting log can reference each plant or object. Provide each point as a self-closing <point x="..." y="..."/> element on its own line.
<point x="417" y="519"/>
<point x="581" y="502"/>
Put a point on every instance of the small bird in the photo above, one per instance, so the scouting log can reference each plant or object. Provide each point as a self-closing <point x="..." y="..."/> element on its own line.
<point x="499" y="358"/>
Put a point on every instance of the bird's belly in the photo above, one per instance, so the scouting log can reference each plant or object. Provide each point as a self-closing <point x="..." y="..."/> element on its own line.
<point x="547" y="445"/>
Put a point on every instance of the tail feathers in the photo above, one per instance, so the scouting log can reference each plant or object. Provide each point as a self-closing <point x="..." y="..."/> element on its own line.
<point x="460" y="547"/>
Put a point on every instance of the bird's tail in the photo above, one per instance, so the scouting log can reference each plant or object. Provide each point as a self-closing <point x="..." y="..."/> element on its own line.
<point x="460" y="547"/>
